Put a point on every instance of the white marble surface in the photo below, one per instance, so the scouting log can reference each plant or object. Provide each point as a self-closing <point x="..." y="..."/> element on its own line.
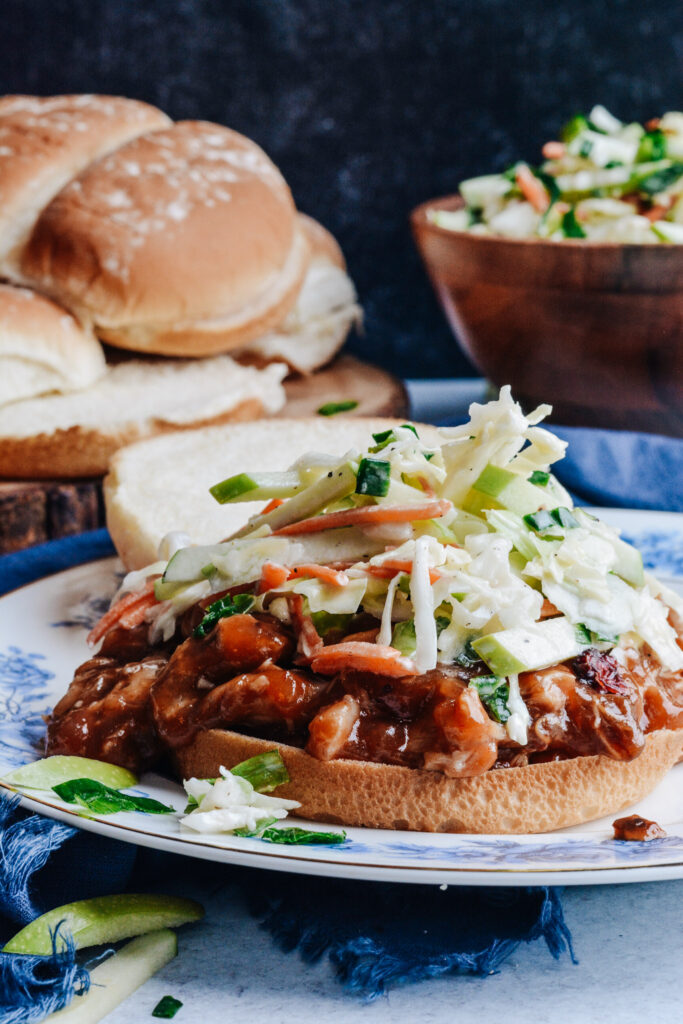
<point x="628" y="939"/>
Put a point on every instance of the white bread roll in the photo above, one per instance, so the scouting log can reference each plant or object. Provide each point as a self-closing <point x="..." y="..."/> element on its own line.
<point x="182" y="242"/>
<point x="44" y="142"/>
<point x="42" y="347"/>
<point x="537" y="798"/>
<point x="162" y="485"/>
<point x="325" y="310"/>
<point x="76" y="434"/>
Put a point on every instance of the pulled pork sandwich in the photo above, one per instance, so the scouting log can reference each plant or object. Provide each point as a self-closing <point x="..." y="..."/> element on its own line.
<point x="430" y="633"/>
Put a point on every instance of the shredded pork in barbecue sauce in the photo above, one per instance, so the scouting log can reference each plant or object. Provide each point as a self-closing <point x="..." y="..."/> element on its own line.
<point x="133" y="703"/>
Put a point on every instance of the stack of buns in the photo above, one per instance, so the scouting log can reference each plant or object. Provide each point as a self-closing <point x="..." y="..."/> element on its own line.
<point x="177" y="242"/>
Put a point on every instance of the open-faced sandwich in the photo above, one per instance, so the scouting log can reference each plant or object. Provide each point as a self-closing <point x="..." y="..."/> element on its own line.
<point x="429" y="632"/>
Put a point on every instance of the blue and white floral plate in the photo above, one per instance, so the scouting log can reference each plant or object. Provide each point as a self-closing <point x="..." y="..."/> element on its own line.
<point x="42" y="640"/>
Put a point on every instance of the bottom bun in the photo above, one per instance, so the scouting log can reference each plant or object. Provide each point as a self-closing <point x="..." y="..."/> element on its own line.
<point x="537" y="798"/>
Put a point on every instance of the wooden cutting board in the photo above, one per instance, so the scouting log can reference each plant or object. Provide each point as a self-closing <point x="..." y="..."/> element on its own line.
<point x="35" y="511"/>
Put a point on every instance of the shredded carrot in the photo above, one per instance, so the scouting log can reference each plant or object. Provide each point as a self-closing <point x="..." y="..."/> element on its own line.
<point x="320" y="572"/>
<point x="272" y="576"/>
<point x="548" y="610"/>
<point x="272" y="504"/>
<point x="426" y="487"/>
<point x="361" y="656"/>
<point x="134" y="615"/>
<point x="368" y="515"/>
<point x="392" y="567"/>
<point x="655" y="212"/>
<point x="532" y="189"/>
<point x="124" y="612"/>
<point x="653" y="124"/>
<point x="554" y="150"/>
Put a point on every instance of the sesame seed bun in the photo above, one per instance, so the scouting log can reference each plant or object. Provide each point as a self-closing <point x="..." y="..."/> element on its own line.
<point x="183" y="242"/>
<point x="44" y="142"/>
<point x="43" y="348"/>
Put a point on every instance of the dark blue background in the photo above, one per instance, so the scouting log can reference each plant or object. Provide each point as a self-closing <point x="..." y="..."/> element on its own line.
<point x="367" y="107"/>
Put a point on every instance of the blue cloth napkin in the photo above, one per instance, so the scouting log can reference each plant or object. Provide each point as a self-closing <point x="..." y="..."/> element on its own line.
<point x="629" y="470"/>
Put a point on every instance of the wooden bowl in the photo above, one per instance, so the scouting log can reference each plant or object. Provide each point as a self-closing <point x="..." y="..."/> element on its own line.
<point x="596" y="329"/>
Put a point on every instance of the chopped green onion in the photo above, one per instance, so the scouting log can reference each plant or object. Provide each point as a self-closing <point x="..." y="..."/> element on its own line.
<point x="409" y="426"/>
<point x="543" y="520"/>
<point x="494" y="693"/>
<point x="468" y="656"/>
<point x="539" y="478"/>
<point x="571" y="227"/>
<point x="373" y="477"/>
<point x="103" y="799"/>
<point x="222" y="609"/>
<point x="658" y="181"/>
<point x="383" y="435"/>
<point x="332" y="408"/>
<point x="652" y="147"/>
<point x="302" y="836"/>
<point x="403" y="637"/>
<point x="264" y="772"/>
<point x="167" y="1007"/>
<point x="564" y="518"/>
<point x="539" y="521"/>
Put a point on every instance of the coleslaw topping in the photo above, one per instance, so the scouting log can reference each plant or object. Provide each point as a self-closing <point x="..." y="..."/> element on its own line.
<point x="470" y="549"/>
<point x="603" y="181"/>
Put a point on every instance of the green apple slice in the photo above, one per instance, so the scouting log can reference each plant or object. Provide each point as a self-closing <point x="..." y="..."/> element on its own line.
<point x="114" y="980"/>
<point x="53" y="771"/>
<point x="104" y="919"/>
<point x="522" y="648"/>
<point x="499" y="488"/>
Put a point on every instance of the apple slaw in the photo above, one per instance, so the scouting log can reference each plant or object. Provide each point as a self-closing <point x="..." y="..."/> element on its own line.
<point x="603" y="180"/>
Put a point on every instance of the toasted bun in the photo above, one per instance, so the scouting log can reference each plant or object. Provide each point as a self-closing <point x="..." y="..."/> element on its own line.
<point x="76" y="434"/>
<point x="183" y="242"/>
<point x="42" y="347"/>
<point x="47" y="140"/>
<point x="162" y="485"/>
<point x="325" y="310"/>
<point x="539" y="798"/>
